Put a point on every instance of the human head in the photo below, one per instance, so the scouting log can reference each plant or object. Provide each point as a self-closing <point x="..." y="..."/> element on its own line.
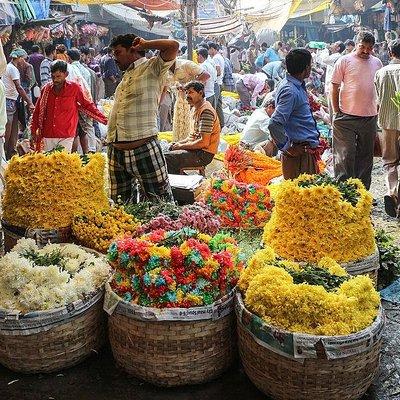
<point x="184" y="49"/>
<point x="18" y="56"/>
<point x="349" y="45"/>
<point x="270" y="106"/>
<point x="264" y="46"/>
<point x="252" y="46"/>
<point x="365" y="45"/>
<point x="50" y="50"/>
<point x="60" y="48"/>
<point x="204" y="45"/>
<point x="338" y="47"/>
<point x="298" y="63"/>
<point x="35" y="48"/>
<point x="194" y="92"/>
<point x="213" y="49"/>
<point x="394" y="48"/>
<point x="74" y="54"/>
<point x="278" y="45"/>
<point x="85" y="54"/>
<point x="59" y="72"/>
<point x="202" y="55"/>
<point x="270" y="85"/>
<point x="124" y="54"/>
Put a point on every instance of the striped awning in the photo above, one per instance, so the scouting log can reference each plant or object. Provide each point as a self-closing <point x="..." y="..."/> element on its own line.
<point x="219" y="26"/>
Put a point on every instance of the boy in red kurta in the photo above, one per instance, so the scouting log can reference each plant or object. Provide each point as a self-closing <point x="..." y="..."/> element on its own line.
<point x="55" y="118"/>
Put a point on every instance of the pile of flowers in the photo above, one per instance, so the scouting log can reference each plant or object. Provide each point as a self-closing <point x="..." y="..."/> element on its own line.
<point x="315" y="216"/>
<point x="239" y="205"/>
<point x="319" y="300"/>
<point x="250" y="167"/>
<point x="33" y="279"/>
<point x="97" y="229"/>
<point x="182" y="268"/>
<point x="169" y="217"/>
<point x="47" y="190"/>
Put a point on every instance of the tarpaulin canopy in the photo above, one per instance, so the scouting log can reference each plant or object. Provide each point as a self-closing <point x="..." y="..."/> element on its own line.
<point x="219" y="26"/>
<point x="161" y="5"/>
<point x="307" y="7"/>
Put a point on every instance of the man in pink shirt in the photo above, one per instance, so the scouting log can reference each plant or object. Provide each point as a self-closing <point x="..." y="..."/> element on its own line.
<point x="249" y="87"/>
<point x="355" y="110"/>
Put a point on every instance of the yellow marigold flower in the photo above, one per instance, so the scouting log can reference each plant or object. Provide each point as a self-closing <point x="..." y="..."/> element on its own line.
<point x="332" y="266"/>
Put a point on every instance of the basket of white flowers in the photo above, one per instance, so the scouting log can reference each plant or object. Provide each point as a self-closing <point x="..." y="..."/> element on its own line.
<point x="50" y="306"/>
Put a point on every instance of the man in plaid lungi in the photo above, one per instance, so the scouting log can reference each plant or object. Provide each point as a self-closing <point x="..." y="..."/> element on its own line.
<point x="134" y="152"/>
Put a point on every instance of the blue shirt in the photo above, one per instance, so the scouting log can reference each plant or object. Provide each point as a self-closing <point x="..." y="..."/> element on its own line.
<point x="271" y="54"/>
<point x="292" y="121"/>
<point x="273" y="69"/>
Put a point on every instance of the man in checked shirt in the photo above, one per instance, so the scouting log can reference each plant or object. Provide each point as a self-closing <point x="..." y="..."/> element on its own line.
<point x="134" y="152"/>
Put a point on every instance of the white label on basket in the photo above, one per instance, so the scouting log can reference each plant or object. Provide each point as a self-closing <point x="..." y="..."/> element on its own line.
<point x="40" y="321"/>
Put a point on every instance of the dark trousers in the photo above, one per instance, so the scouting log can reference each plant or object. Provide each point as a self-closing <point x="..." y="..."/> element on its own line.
<point x="353" y="147"/>
<point x="218" y="105"/>
<point x="109" y="87"/>
<point x="300" y="162"/>
<point x="179" y="159"/>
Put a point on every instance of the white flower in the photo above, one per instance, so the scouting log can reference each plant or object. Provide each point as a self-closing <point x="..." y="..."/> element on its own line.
<point x="72" y="265"/>
<point x="24" y="244"/>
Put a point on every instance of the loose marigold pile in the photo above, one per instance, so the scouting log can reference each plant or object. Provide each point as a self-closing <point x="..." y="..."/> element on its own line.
<point x="250" y="167"/>
<point x="314" y="216"/>
<point x="320" y="300"/>
<point x="98" y="229"/>
<point x="47" y="190"/>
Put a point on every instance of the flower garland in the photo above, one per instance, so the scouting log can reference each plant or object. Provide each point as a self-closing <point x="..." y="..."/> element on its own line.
<point x="47" y="190"/>
<point x="286" y="295"/>
<point x="250" y="167"/>
<point x="239" y="205"/>
<point x="182" y="268"/>
<point x="97" y="229"/>
<point x="52" y="277"/>
<point x="315" y="217"/>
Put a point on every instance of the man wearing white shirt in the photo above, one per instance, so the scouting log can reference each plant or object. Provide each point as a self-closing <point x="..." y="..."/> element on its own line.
<point x="219" y="61"/>
<point x="208" y="66"/>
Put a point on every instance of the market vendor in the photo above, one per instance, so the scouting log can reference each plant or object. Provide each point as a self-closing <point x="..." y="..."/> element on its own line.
<point x="55" y="118"/>
<point x="251" y="87"/>
<point x="292" y="125"/>
<point x="134" y="153"/>
<point x="199" y="148"/>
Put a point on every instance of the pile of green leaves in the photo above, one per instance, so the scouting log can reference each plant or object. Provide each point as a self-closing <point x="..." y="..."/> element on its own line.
<point x="145" y="211"/>
<point x="313" y="275"/>
<point x="44" y="260"/>
<point x="389" y="258"/>
<point x="347" y="190"/>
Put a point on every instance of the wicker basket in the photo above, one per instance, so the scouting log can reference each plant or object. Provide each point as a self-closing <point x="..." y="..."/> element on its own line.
<point x="367" y="266"/>
<point x="49" y="341"/>
<point x="173" y="347"/>
<point x="334" y="368"/>
<point x="13" y="233"/>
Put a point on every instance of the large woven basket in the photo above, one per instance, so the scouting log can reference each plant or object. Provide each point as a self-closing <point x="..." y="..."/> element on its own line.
<point x="49" y="341"/>
<point x="290" y="366"/>
<point x="173" y="347"/>
<point x="367" y="266"/>
<point x="41" y="236"/>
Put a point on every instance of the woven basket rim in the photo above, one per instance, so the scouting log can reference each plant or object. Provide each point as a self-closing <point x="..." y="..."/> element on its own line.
<point x="8" y="226"/>
<point x="375" y="323"/>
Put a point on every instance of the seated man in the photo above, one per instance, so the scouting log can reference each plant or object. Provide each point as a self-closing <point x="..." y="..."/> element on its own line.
<point x="256" y="130"/>
<point x="199" y="148"/>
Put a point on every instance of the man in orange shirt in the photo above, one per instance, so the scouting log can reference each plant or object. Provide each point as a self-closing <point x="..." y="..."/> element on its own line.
<point x="199" y="148"/>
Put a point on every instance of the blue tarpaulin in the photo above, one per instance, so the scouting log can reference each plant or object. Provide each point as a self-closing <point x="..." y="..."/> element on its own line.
<point x="41" y="8"/>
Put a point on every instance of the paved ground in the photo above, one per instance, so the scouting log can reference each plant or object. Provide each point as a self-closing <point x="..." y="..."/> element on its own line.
<point x="99" y="379"/>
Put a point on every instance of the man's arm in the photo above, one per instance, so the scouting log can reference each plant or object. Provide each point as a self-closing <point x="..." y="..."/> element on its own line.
<point x="168" y="48"/>
<point x="23" y="94"/>
<point x="203" y="77"/>
<point x="335" y="88"/>
<point x="45" y="74"/>
<point x="89" y="108"/>
<point x="3" y="61"/>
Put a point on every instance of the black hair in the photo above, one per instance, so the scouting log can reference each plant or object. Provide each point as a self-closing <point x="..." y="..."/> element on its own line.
<point x="203" y="52"/>
<point x="85" y="50"/>
<point x="341" y="46"/>
<point x="196" y="86"/>
<point x="59" y="66"/>
<point x="269" y="102"/>
<point x="204" y="45"/>
<point x="183" y="49"/>
<point x="271" y="84"/>
<point x="49" y="49"/>
<point x="297" y="61"/>
<point x="366" y="37"/>
<point x="349" y="42"/>
<point x="212" y="45"/>
<point x="35" y="48"/>
<point x="125" y="41"/>
<point x="74" y="54"/>
<point x="264" y="44"/>
<point x="394" y="47"/>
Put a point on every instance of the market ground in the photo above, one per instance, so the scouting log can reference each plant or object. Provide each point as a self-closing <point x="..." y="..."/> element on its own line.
<point x="99" y="379"/>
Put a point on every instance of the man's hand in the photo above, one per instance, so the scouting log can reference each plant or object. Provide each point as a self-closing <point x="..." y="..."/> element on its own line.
<point x="175" y="146"/>
<point x="139" y="44"/>
<point x="31" y="107"/>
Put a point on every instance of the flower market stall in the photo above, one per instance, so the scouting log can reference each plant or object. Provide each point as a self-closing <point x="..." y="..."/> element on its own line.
<point x="50" y="306"/>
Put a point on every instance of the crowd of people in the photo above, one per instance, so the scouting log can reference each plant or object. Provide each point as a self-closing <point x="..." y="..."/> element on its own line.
<point x="347" y="86"/>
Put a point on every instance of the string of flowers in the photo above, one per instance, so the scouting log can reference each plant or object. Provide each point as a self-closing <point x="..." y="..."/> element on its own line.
<point x="181" y="268"/>
<point x="320" y="300"/>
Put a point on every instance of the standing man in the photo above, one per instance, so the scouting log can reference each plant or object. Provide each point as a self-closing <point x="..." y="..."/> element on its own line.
<point x="272" y="53"/>
<point x="134" y="153"/>
<point x="55" y="118"/>
<point x="35" y="59"/>
<point x="292" y="125"/>
<point x="45" y="66"/>
<point x="209" y="67"/>
<point x="13" y="89"/>
<point x="355" y="109"/>
<point x="349" y="47"/>
<point x="219" y="62"/>
<point x="387" y="83"/>
<point x="110" y="73"/>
